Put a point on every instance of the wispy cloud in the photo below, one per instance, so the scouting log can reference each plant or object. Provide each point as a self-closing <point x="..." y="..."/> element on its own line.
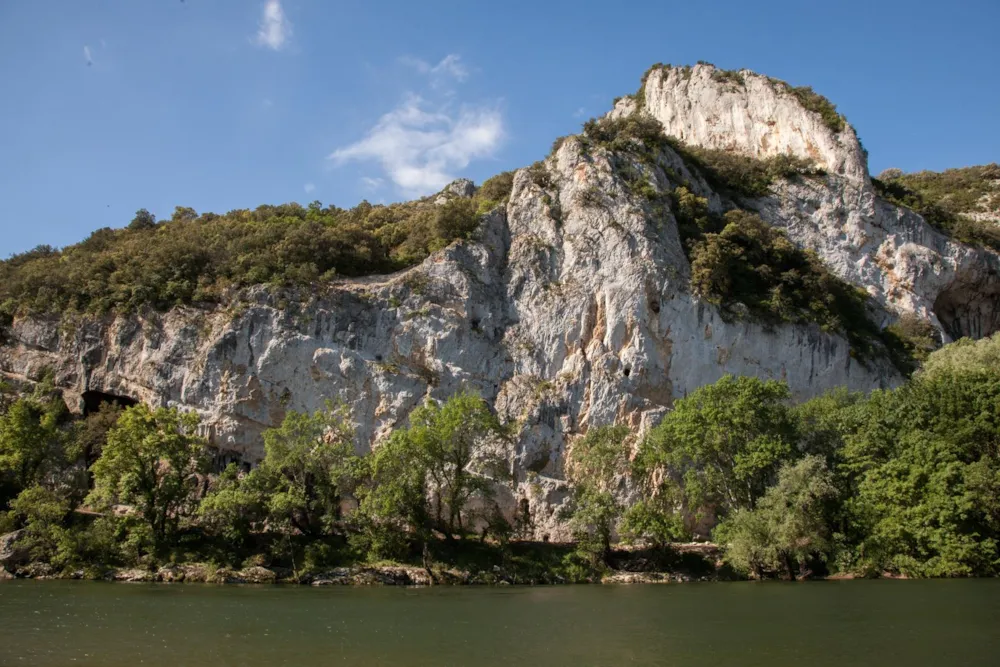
<point x="420" y="149"/>
<point x="580" y="113"/>
<point x="274" y="30"/>
<point x="450" y="67"/>
<point x="372" y="184"/>
<point x="309" y="188"/>
<point x="88" y="58"/>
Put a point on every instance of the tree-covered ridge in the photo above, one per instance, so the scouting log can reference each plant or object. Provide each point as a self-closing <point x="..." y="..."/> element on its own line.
<point x="964" y="203"/>
<point x="197" y="258"/>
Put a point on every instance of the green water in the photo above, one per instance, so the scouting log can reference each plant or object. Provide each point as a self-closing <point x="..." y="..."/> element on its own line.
<point x="847" y="623"/>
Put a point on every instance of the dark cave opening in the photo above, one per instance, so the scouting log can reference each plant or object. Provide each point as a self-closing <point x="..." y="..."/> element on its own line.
<point x="93" y="400"/>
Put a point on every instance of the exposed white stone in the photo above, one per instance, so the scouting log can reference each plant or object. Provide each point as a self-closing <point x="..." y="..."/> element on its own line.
<point x="570" y="310"/>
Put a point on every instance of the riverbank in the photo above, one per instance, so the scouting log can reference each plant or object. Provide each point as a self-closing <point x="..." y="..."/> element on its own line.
<point x="685" y="562"/>
<point x="391" y="575"/>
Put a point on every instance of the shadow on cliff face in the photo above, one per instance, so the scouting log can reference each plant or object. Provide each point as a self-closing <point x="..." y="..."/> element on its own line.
<point x="93" y="400"/>
<point x="969" y="310"/>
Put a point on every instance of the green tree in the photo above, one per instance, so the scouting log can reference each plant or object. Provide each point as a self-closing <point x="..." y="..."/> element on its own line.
<point x="596" y="465"/>
<point x="790" y="524"/>
<point x="925" y="471"/>
<point x="447" y="434"/>
<point x="964" y="356"/>
<point x="32" y="445"/>
<point x="438" y="473"/>
<point x="150" y="462"/>
<point x="234" y="507"/>
<point x="309" y="470"/>
<point x="823" y="422"/>
<point x="394" y="510"/>
<point x="42" y="512"/>
<point x="724" y="443"/>
<point x="143" y="220"/>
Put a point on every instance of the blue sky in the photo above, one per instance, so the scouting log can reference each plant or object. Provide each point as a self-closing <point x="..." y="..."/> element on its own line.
<point x="108" y="106"/>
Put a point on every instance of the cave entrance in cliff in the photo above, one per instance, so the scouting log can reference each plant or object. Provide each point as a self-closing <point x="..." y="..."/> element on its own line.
<point x="93" y="400"/>
<point x="968" y="311"/>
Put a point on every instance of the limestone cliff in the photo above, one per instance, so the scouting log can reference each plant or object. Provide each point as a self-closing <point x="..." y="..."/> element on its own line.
<point x="570" y="309"/>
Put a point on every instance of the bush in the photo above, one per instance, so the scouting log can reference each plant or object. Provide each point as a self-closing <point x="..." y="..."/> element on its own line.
<point x="949" y="200"/>
<point x="497" y="188"/>
<point x="741" y="174"/>
<point x="790" y="525"/>
<point x="816" y="103"/>
<point x="916" y="336"/>
<point x="621" y="134"/>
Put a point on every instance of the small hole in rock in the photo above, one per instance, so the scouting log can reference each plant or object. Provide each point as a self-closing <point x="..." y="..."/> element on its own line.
<point x="627" y="371"/>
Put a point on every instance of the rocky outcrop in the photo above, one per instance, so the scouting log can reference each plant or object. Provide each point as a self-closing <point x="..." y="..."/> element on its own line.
<point x="13" y="550"/>
<point x="571" y="309"/>
<point x="906" y="265"/>
<point x="747" y="113"/>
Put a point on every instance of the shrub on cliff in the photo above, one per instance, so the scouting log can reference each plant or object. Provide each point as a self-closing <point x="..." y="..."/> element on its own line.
<point x="742" y="174"/>
<point x="753" y="264"/>
<point x="950" y="200"/>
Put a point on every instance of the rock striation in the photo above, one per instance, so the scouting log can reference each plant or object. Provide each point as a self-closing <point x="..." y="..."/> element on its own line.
<point x="571" y="309"/>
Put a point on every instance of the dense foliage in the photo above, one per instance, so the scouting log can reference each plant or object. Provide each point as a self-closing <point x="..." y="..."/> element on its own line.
<point x="964" y="203"/>
<point x="597" y="463"/>
<point x="905" y="481"/>
<point x="198" y="258"/>
<point x="748" y="264"/>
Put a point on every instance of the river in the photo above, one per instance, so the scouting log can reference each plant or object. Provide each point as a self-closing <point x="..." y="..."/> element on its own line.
<point x="774" y="624"/>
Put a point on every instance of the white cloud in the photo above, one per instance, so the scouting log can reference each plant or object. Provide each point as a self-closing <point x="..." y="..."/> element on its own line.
<point x="372" y="184"/>
<point x="450" y="66"/>
<point x="420" y="149"/>
<point x="87" y="56"/>
<point x="275" y="30"/>
<point x="309" y="188"/>
<point x="580" y="113"/>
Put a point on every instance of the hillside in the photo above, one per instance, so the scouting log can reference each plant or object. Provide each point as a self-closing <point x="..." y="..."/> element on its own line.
<point x="713" y="223"/>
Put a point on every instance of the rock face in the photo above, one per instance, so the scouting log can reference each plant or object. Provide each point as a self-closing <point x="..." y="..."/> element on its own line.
<point x="904" y="263"/>
<point x="13" y="551"/>
<point x="571" y="309"/>
<point x="747" y="113"/>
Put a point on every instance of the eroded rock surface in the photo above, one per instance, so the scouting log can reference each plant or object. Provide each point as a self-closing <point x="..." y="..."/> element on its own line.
<point x="570" y="310"/>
